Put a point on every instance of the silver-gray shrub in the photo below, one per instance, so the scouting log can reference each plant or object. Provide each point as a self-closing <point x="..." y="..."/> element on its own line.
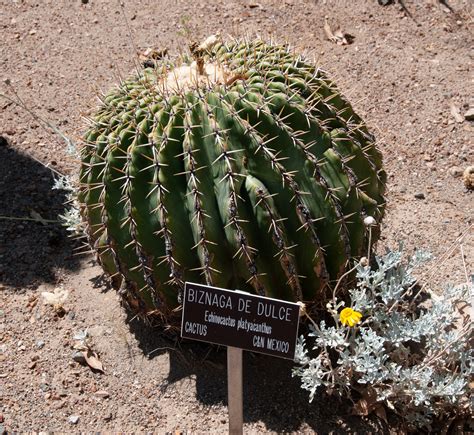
<point x="411" y="350"/>
<point x="71" y="217"/>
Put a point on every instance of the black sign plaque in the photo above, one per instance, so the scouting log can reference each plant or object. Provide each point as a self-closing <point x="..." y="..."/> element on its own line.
<point x="239" y="319"/>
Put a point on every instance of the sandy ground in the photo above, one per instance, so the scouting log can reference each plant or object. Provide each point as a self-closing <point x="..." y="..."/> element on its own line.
<point x="408" y="73"/>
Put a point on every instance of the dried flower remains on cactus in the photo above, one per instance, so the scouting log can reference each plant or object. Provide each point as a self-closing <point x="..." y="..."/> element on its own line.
<point x="239" y="166"/>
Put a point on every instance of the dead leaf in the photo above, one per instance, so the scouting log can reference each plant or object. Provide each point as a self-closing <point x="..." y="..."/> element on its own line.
<point x="379" y="411"/>
<point x="367" y="404"/>
<point x="150" y="56"/>
<point x="93" y="361"/>
<point x="456" y="113"/>
<point x="339" y="37"/>
<point x="361" y="408"/>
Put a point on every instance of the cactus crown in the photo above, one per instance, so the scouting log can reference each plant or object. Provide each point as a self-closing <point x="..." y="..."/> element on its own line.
<point x="241" y="167"/>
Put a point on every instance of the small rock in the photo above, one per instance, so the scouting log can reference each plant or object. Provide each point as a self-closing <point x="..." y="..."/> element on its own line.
<point x="32" y="32"/>
<point x="79" y="357"/>
<point x="60" y="404"/>
<point x="108" y="417"/>
<point x="102" y="394"/>
<point x="32" y="365"/>
<point x="456" y="114"/>
<point x="469" y="115"/>
<point x="2" y="419"/>
<point x="71" y="315"/>
<point x="44" y="387"/>
<point x="2" y="313"/>
<point x="39" y="344"/>
<point x="455" y="171"/>
<point x="73" y="419"/>
<point x="420" y="195"/>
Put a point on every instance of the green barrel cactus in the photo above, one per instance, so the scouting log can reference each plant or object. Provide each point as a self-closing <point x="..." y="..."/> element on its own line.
<point x="241" y="166"/>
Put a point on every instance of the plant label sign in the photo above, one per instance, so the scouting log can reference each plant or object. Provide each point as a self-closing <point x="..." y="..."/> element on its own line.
<point x="239" y="319"/>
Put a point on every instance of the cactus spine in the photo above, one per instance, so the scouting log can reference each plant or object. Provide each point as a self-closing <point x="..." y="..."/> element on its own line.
<point x="242" y="167"/>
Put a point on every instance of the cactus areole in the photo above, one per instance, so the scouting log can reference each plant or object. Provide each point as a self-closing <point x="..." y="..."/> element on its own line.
<point x="241" y="167"/>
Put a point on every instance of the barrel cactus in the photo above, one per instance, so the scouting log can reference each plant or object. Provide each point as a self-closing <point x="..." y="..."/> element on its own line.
<point x="239" y="165"/>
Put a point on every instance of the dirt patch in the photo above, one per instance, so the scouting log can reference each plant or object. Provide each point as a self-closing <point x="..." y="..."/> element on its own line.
<point x="404" y="71"/>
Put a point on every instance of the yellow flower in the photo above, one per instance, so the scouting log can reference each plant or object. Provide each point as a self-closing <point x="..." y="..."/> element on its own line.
<point x="350" y="317"/>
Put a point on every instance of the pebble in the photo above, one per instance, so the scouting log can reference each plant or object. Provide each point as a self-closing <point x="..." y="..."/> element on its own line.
<point x="44" y="387"/>
<point x="40" y="344"/>
<point x="469" y="115"/>
<point x="420" y="195"/>
<point x="79" y="357"/>
<point x="455" y="171"/>
<point x="73" y="419"/>
<point x="2" y="314"/>
<point x="32" y="365"/>
<point x="102" y="394"/>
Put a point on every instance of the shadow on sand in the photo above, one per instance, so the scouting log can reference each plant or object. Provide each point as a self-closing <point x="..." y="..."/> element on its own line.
<point x="271" y="394"/>
<point x="31" y="252"/>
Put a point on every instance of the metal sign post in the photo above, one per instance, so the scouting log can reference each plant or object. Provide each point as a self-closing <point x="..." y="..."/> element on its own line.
<point x="240" y="321"/>
<point x="235" y="390"/>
